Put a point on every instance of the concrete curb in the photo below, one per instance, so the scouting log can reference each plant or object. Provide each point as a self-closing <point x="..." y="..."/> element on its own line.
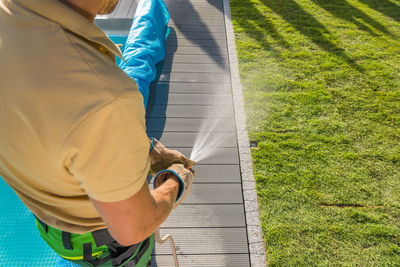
<point x="253" y="223"/>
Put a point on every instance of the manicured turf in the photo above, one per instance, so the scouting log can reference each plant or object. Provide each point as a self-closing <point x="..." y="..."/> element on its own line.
<point x="322" y="92"/>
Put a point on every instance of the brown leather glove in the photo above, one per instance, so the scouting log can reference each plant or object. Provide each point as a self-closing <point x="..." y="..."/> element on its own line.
<point x="185" y="177"/>
<point x="161" y="157"/>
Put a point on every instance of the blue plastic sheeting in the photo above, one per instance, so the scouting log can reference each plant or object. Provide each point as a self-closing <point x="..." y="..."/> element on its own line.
<point x="145" y="46"/>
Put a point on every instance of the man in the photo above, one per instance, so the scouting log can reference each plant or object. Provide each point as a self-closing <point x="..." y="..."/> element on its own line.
<point x="73" y="144"/>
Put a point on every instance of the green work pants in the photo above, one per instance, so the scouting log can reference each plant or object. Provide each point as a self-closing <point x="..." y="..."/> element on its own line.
<point x="54" y="238"/>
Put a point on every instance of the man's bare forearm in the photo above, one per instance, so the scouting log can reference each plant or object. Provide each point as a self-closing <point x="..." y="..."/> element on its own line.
<point x="133" y="220"/>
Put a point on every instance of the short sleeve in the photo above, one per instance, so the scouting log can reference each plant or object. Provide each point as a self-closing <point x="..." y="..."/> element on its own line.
<point x="108" y="150"/>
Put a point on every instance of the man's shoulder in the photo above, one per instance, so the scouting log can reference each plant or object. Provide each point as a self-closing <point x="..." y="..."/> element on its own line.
<point x="100" y="63"/>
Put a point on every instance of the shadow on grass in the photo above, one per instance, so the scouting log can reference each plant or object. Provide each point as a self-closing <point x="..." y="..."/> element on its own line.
<point x="343" y="10"/>
<point x="307" y="25"/>
<point x="385" y="7"/>
<point x="258" y="25"/>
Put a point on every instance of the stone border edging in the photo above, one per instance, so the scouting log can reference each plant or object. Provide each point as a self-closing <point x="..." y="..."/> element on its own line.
<point x="253" y="223"/>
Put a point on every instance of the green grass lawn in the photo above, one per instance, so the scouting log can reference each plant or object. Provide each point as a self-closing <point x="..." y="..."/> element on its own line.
<point x="322" y="92"/>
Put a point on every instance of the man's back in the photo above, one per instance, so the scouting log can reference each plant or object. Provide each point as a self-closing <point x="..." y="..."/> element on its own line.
<point x="58" y="92"/>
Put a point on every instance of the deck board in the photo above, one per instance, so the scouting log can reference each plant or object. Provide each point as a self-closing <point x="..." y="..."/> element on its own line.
<point x="194" y="77"/>
<point x="197" y="43"/>
<point x="191" y="99"/>
<point x="215" y="194"/>
<point x="195" y="68"/>
<point x="123" y="9"/>
<point x="206" y="241"/>
<point x="222" y="156"/>
<point x="206" y="35"/>
<point x="199" y="59"/>
<point x="230" y="215"/>
<point x="211" y="174"/>
<point x="197" y="51"/>
<point x="190" y="88"/>
<point x="190" y="28"/>
<point x="187" y="139"/>
<point x="187" y="111"/>
<point x="188" y="125"/>
<point x="215" y="260"/>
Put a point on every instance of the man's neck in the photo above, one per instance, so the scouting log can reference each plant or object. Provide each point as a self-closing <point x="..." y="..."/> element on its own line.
<point x="87" y="8"/>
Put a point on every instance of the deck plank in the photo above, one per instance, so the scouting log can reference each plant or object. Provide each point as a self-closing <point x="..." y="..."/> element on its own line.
<point x="187" y="111"/>
<point x="194" y="77"/>
<point x="212" y="174"/>
<point x="211" y="260"/>
<point x="199" y="59"/>
<point x="215" y="194"/>
<point x="230" y="215"/>
<point x="183" y="27"/>
<point x="191" y="88"/>
<point x="194" y="16"/>
<point x="217" y="51"/>
<point x="191" y="99"/>
<point x="123" y="9"/>
<point x="220" y="156"/>
<point x="197" y="241"/>
<point x="197" y="43"/>
<point x="198" y="35"/>
<point x="187" y="139"/>
<point x="193" y="67"/>
<point x="188" y="125"/>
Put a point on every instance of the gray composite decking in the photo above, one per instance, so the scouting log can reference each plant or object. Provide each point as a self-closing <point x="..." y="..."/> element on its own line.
<point x="209" y="229"/>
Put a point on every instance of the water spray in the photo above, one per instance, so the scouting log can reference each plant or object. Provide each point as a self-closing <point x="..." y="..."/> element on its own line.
<point x="211" y="135"/>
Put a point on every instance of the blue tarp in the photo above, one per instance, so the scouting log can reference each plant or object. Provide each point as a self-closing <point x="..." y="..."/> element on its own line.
<point x="145" y="45"/>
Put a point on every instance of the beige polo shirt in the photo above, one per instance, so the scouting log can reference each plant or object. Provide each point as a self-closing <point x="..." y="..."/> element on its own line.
<point x="72" y="124"/>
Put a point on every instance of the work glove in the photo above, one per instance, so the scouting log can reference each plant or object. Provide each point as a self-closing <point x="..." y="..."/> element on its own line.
<point x="161" y="157"/>
<point x="185" y="178"/>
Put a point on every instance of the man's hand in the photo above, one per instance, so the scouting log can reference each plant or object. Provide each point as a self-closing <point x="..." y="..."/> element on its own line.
<point x="180" y="174"/>
<point x="161" y="158"/>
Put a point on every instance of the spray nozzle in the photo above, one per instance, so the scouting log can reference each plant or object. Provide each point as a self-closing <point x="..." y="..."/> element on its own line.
<point x="190" y="169"/>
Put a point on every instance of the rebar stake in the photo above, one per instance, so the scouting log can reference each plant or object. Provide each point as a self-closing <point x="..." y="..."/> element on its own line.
<point x="171" y="240"/>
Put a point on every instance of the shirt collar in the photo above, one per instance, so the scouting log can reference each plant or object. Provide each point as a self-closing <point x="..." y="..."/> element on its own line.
<point x="71" y="20"/>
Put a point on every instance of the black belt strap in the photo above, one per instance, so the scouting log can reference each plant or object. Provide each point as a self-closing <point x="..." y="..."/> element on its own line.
<point x="66" y="239"/>
<point x="125" y="255"/>
<point x="46" y="229"/>
<point x="143" y="249"/>
<point x="87" y="256"/>
<point x="102" y="237"/>
<point x="87" y="252"/>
